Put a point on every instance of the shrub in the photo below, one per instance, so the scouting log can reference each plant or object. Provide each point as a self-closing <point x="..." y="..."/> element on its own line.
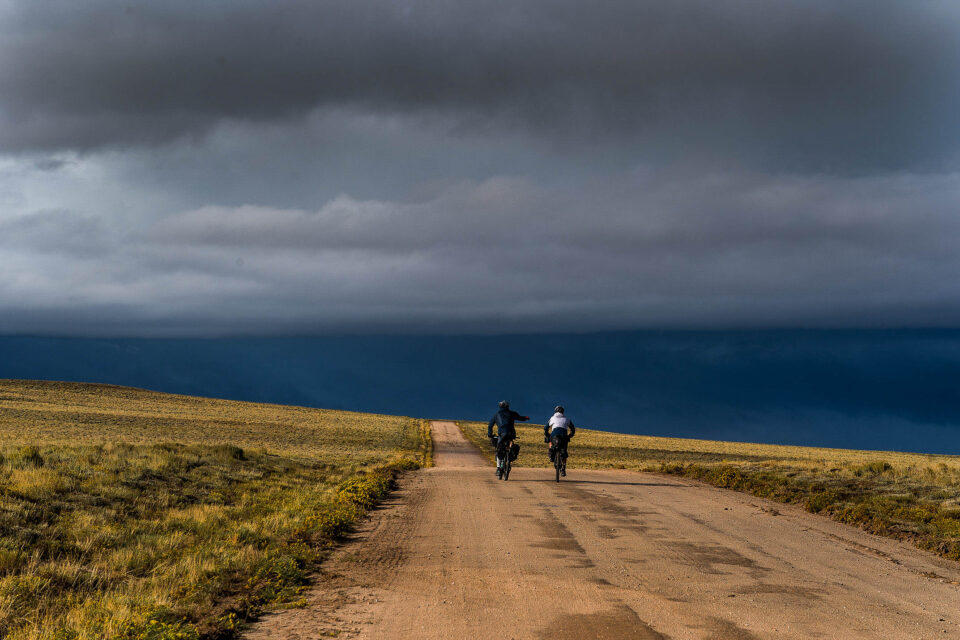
<point x="229" y="452"/>
<point x="923" y="513"/>
<point x="281" y="574"/>
<point x="354" y="497"/>
<point x="159" y="630"/>
<point x="820" y="501"/>
<point x="872" y="468"/>
<point x="26" y="457"/>
<point x="19" y="595"/>
<point x="10" y="560"/>
<point x="729" y="477"/>
<point x="366" y="490"/>
<point x="408" y="464"/>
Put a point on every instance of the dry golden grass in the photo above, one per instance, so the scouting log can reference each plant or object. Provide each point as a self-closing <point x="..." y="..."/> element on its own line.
<point x="51" y="413"/>
<point x="905" y="495"/>
<point x="132" y="514"/>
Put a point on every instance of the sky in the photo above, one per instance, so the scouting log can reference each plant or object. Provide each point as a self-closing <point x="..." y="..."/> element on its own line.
<point x="277" y="167"/>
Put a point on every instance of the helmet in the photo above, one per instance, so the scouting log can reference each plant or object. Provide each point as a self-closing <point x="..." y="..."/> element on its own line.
<point x="504" y="404"/>
<point x="558" y="408"/>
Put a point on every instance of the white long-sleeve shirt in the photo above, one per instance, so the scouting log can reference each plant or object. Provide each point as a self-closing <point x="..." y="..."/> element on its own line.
<point x="561" y="422"/>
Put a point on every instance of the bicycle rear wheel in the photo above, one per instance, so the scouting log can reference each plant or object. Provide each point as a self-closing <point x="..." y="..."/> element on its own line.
<point x="506" y="468"/>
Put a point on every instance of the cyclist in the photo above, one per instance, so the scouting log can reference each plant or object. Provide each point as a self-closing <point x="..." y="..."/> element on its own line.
<point x="506" y="432"/>
<point x="558" y="431"/>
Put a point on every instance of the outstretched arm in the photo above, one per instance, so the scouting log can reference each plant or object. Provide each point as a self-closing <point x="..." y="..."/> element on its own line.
<point x="517" y="416"/>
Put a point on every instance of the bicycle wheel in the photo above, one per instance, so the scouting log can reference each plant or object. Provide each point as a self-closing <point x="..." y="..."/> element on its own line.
<point x="506" y="468"/>
<point x="556" y="465"/>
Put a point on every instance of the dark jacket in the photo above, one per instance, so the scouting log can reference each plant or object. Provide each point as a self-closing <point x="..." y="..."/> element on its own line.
<point x="504" y="419"/>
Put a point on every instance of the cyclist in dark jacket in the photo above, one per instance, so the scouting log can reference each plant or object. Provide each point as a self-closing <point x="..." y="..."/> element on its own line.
<point x="506" y="431"/>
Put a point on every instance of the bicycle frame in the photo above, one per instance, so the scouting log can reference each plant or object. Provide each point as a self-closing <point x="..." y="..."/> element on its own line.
<point x="505" y="474"/>
<point x="559" y="460"/>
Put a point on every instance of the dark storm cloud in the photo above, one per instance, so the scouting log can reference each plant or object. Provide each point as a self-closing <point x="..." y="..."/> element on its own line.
<point x="835" y="86"/>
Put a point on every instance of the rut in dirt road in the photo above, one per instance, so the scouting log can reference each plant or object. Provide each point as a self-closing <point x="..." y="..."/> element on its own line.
<point x="458" y="554"/>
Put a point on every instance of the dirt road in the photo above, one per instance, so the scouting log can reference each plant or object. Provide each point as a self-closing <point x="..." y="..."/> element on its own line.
<point x="457" y="554"/>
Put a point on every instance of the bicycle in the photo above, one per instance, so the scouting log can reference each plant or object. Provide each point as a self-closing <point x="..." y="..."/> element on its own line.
<point x="559" y="460"/>
<point x="507" y="463"/>
<point x="558" y="463"/>
<point x="503" y="472"/>
<point x="505" y="475"/>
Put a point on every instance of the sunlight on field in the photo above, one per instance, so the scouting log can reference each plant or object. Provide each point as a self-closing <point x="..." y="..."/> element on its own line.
<point x="39" y="413"/>
<point x="909" y="496"/>
<point x="133" y="514"/>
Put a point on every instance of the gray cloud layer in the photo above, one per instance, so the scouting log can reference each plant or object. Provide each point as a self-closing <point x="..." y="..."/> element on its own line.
<point x="862" y="83"/>
<point x="510" y="255"/>
<point x="299" y="166"/>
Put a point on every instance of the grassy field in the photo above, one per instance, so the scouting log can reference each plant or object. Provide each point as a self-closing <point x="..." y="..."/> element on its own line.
<point x="128" y="514"/>
<point x="914" y="497"/>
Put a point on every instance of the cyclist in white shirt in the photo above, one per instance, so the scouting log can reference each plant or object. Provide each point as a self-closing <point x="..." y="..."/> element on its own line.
<point x="558" y="431"/>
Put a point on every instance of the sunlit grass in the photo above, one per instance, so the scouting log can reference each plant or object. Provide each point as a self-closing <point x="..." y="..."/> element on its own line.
<point x="904" y="495"/>
<point x="132" y="514"/>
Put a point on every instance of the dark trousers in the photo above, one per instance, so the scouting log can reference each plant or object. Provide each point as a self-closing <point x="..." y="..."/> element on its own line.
<point x="558" y="442"/>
